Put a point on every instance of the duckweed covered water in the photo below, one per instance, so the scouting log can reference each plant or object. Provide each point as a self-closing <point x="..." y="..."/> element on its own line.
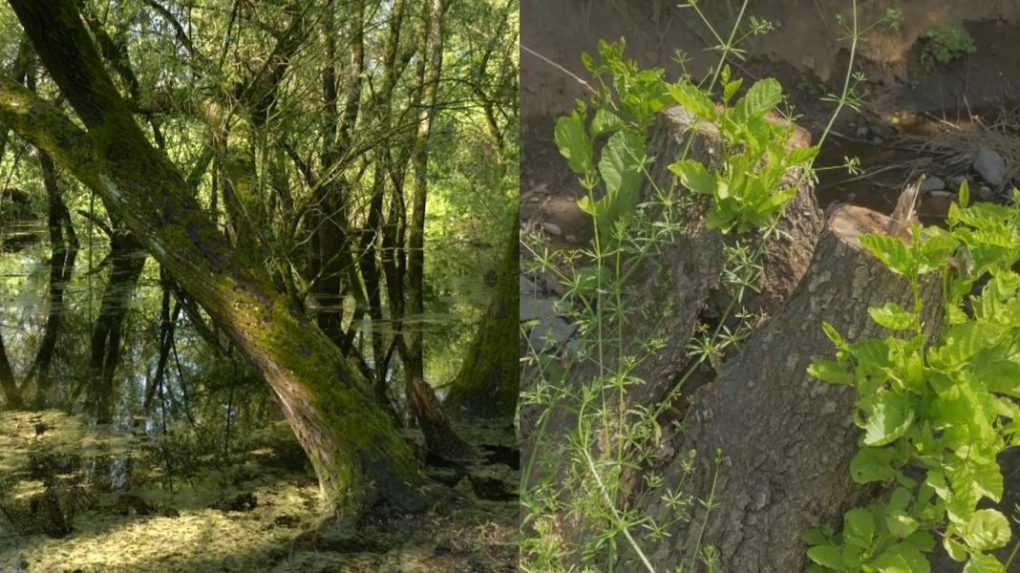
<point x="127" y="512"/>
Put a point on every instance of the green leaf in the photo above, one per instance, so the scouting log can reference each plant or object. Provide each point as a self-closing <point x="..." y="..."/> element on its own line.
<point x="814" y="536"/>
<point x="691" y="98"/>
<point x="803" y="155"/>
<point x="987" y="529"/>
<point x="902" y="558"/>
<point x="891" y="252"/>
<point x="963" y="197"/>
<point x="989" y="481"/>
<point x="573" y="142"/>
<point x="763" y="96"/>
<point x="730" y="89"/>
<point x="827" y="556"/>
<point x="889" y="419"/>
<point x="981" y="563"/>
<point x="900" y="499"/>
<point x="620" y="168"/>
<point x="859" y="528"/>
<point x="900" y="524"/>
<point x="694" y="176"/>
<point x="954" y="549"/>
<point x="923" y="540"/>
<point x="1001" y="376"/>
<point x="892" y="316"/>
<point x="605" y="121"/>
<point x="873" y="465"/>
<point x="830" y="371"/>
<point x="834" y="336"/>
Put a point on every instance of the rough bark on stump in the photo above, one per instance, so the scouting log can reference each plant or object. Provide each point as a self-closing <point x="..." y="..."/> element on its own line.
<point x="786" y="439"/>
<point x="673" y="292"/>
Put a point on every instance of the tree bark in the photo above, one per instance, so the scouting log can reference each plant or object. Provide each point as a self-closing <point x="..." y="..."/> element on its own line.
<point x="105" y="346"/>
<point x="439" y="435"/>
<point x="373" y="241"/>
<point x="489" y="382"/>
<point x="766" y="497"/>
<point x="670" y="294"/>
<point x="359" y="457"/>
<point x="63" y="251"/>
<point x="8" y="384"/>
<point x="330" y="246"/>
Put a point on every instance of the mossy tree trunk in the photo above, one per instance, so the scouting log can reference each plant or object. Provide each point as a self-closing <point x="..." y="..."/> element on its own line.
<point x="8" y="385"/>
<point x="488" y="383"/>
<point x="359" y="457"/>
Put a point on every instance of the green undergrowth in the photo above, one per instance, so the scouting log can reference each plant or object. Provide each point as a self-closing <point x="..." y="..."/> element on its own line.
<point x="935" y="411"/>
<point x="580" y="485"/>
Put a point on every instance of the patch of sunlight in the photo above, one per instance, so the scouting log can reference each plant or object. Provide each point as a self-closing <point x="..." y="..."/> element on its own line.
<point x="25" y="490"/>
<point x="55" y="433"/>
<point x="198" y="540"/>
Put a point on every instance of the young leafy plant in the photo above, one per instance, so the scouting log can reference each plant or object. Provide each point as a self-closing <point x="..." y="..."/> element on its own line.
<point x="749" y="187"/>
<point x="935" y="414"/>
<point x="621" y="114"/>
<point x="945" y="43"/>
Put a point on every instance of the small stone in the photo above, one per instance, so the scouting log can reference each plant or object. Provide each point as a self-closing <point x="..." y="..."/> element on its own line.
<point x="862" y="132"/>
<point x="955" y="181"/>
<point x="984" y="193"/>
<point x="932" y="184"/>
<point x="990" y="166"/>
<point x="552" y="229"/>
<point x="936" y="204"/>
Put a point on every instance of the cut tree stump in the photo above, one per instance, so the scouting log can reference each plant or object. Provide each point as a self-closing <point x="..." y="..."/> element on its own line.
<point x="785" y="439"/>
<point x="668" y="296"/>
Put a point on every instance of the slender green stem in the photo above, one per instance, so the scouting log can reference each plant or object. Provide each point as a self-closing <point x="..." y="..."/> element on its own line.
<point x="616" y="515"/>
<point x="846" y="80"/>
<point x="709" y="504"/>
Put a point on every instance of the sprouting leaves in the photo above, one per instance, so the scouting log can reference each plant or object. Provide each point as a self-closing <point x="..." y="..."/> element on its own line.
<point x="573" y="142"/>
<point x="747" y="187"/>
<point x="761" y="98"/>
<point x="620" y="169"/>
<point x="943" y="407"/>
<point x="614" y="164"/>
<point x="892" y="316"/>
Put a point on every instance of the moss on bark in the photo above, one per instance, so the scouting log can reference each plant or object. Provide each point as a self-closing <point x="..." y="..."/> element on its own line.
<point x="358" y="455"/>
<point x="488" y="383"/>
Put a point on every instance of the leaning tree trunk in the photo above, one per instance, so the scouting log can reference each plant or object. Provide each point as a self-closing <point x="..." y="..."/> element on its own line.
<point x="785" y="439"/>
<point x="488" y="383"/>
<point x="358" y="455"/>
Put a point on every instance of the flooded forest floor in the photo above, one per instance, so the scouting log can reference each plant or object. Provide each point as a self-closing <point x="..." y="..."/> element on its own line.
<point x="78" y="500"/>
